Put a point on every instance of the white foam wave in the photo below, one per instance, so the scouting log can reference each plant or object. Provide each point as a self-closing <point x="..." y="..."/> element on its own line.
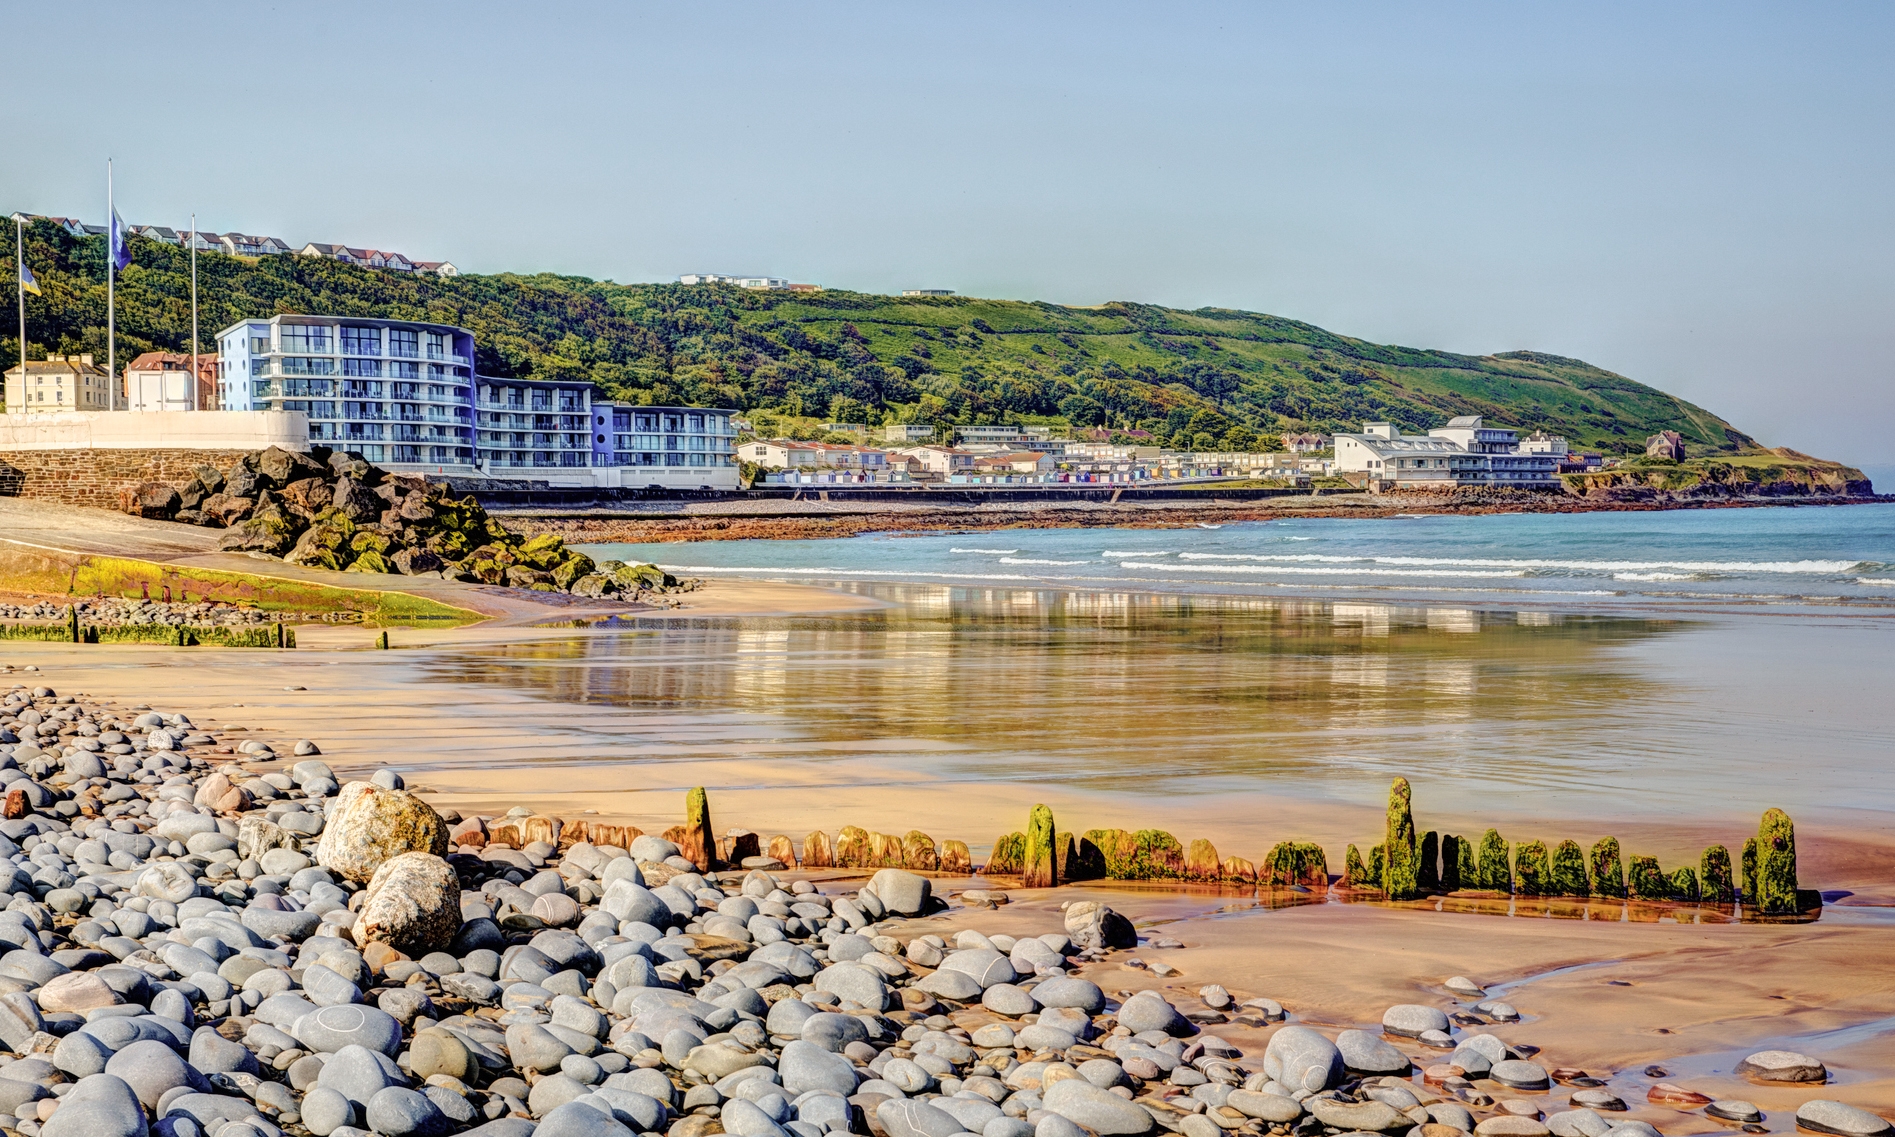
<point x="1312" y="570"/>
<point x="1806" y="567"/>
<point x="1135" y="552"/>
<point x="1033" y="561"/>
<point x="1653" y="576"/>
<point x="997" y="552"/>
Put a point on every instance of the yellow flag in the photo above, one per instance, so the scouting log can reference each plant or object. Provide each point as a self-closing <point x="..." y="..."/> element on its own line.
<point x="26" y="279"/>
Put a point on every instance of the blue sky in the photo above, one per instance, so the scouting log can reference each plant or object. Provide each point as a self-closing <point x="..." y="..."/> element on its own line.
<point x="1696" y="196"/>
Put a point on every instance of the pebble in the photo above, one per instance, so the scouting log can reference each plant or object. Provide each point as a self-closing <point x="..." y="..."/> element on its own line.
<point x="610" y="994"/>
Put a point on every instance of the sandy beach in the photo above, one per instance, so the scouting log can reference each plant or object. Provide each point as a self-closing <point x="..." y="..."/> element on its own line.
<point x="1701" y="994"/>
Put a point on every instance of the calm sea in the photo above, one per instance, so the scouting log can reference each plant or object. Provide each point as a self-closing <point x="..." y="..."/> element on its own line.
<point x="1842" y="556"/>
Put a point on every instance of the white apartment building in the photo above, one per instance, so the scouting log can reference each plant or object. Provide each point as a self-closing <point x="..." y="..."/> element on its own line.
<point x="397" y="392"/>
<point x="940" y="461"/>
<point x="907" y="432"/>
<point x="1465" y="452"/>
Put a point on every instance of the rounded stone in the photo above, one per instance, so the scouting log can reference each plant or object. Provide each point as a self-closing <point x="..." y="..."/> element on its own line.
<point x="832" y="1031"/>
<point x="1735" y="1109"/>
<point x="97" y="1106"/>
<point x="1366" y="1117"/>
<point x="1823" y="1116"/>
<point x="1010" y="1000"/>
<point x="324" y="1111"/>
<point x="151" y="1068"/>
<point x="370" y="826"/>
<point x="1411" y="1019"/>
<point x="413" y="904"/>
<point x="804" y="1066"/>
<point x="1264" y="1106"/>
<point x="1520" y="1075"/>
<point x="1368" y="1054"/>
<point x="1299" y="1059"/>
<point x="1070" y="992"/>
<point x="330" y="1029"/>
<point x="436" y="1051"/>
<point x="1101" y="1111"/>
<point x="1782" y="1066"/>
<point x="577" y="1119"/>
<point x="1148" y="1010"/>
<point x="397" y="1112"/>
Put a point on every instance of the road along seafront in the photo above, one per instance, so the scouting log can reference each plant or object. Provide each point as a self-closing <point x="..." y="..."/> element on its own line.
<point x="211" y="932"/>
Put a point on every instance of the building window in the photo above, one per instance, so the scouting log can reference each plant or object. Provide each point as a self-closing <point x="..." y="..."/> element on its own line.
<point x="404" y="343"/>
<point x="369" y="367"/>
<point x="305" y="337"/>
<point x="645" y="422"/>
<point x="361" y="341"/>
<point x="400" y="370"/>
<point x="356" y="389"/>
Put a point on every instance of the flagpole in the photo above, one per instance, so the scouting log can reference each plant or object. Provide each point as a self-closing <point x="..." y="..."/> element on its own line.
<point x="194" y="405"/>
<point x="19" y="285"/>
<point x="111" y="300"/>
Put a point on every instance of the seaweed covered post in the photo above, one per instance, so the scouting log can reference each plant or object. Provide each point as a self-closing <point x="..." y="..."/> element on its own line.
<point x="1532" y="875"/>
<point x="1646" y="881"/>
<point x="1776" y="864"/>
<point x="1750" y="870"/>
<point x="1608" y="874"/>
<point x="1495" y="874"/>
<point x="1009" y="853"/>
<point x="1038" y="868"/>
<point x="1428" y="879"/>
<point x="1401" y="868"/>
<point x="1355" y="874"/>
<point x="1682" y="884"/>
<point x="1450" y="863"/>
<point x="1714" y="876"/>
<point x="700" y="842"/>
<point x="1568" y="876"/>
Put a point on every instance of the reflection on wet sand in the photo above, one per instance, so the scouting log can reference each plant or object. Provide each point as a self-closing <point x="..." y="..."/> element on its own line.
<point x="1133" y="692"/>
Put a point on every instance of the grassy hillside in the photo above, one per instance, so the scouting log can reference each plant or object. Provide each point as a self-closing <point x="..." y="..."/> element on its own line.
<point x="1210" y="376"/>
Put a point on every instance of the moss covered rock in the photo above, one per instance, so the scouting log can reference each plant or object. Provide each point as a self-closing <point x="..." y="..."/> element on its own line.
<point x="1378" y="868"/>
<point x="1355" y="874"/>
<point x="1161" y="857"/>
<point x="1750" y="870"/>
<point x="1682" y="884"/>
<point x="1428" y="875"/>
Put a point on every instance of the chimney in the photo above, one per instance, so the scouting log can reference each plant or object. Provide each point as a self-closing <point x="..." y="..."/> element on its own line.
<point x="86" y="359"/>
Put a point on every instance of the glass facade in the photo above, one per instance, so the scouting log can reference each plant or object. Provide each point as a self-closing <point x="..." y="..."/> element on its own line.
<point x="667" y="437"/>
<point x="358" y="382"/>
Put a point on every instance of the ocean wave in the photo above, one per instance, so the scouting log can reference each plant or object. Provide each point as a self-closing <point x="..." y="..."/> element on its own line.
<point x="1135" y="552"/>
<point x="1805" y="567"/>
<point x="889" y="574"/>
<point x="1654" y="576"/>
<point x="1032" y="561"/>
<point x="997" y="552"/>
<point x="1311" y="570"/>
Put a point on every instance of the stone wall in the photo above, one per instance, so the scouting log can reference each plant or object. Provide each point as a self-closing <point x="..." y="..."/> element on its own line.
<point x="100" y="478"/>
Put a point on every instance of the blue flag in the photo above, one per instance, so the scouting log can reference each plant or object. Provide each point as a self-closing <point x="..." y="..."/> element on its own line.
<point x="121" y="254"/>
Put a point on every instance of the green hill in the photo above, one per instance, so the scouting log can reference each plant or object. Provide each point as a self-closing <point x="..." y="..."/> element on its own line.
<point x="1237" y="377"/>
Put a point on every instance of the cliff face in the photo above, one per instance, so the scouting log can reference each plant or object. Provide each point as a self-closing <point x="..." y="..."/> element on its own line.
<point x="1779" y="473"/>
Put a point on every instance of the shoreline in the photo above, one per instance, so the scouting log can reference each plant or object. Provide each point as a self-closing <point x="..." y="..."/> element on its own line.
<point x="816" y="520"/>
